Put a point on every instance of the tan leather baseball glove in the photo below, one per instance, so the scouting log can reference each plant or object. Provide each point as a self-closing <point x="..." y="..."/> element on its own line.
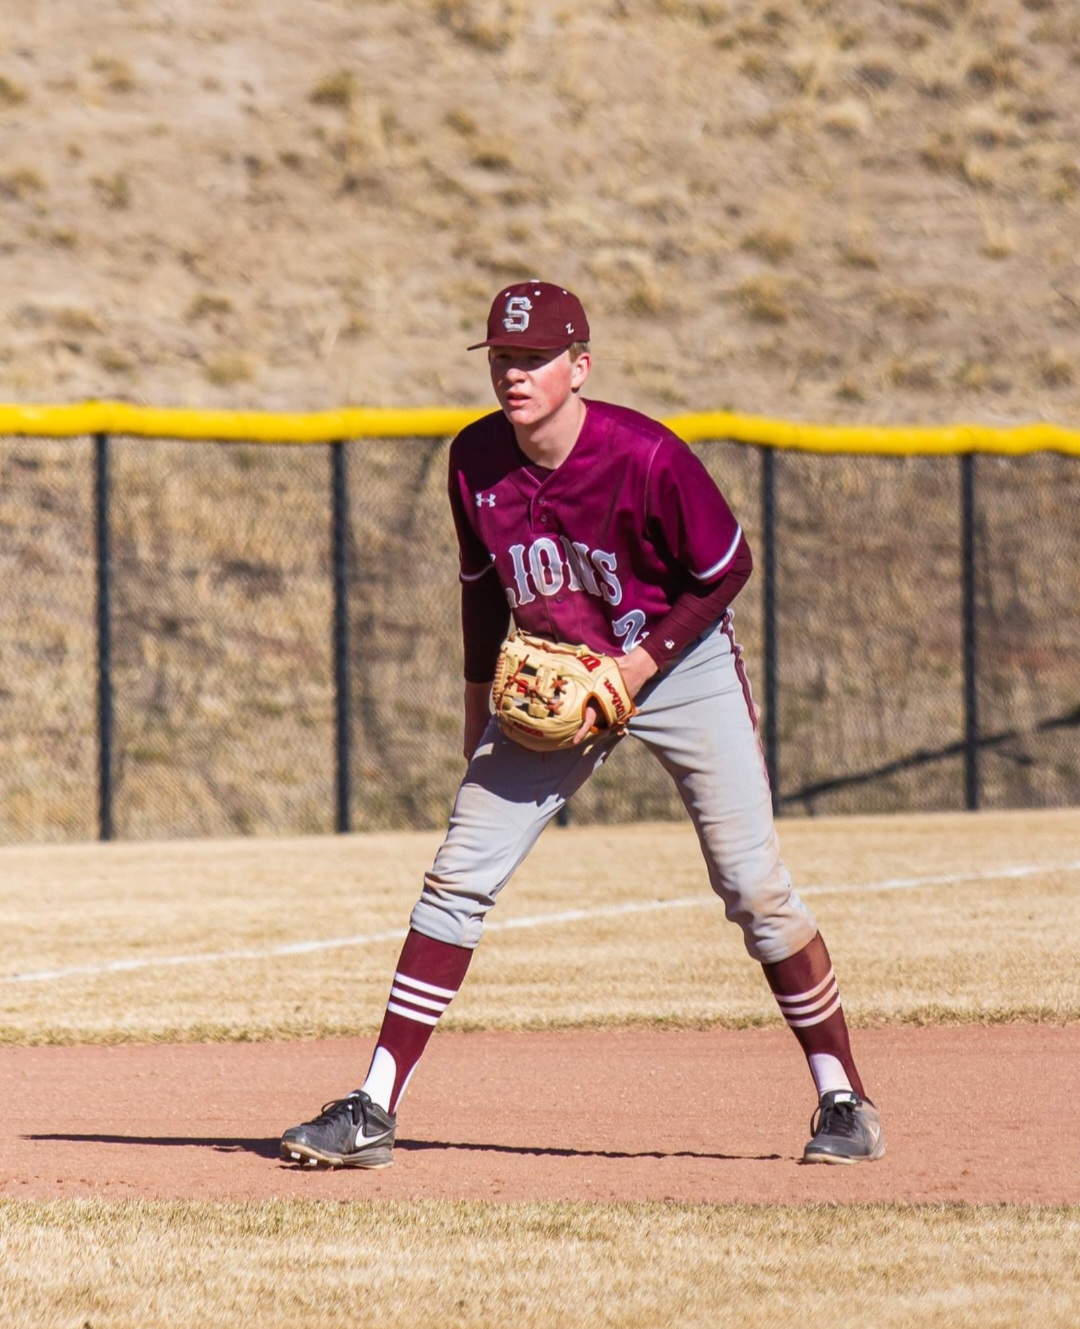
<point x="542" y="688"/>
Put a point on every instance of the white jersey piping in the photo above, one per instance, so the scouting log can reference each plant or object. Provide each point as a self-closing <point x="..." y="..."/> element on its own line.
<point x="719" y="567"/>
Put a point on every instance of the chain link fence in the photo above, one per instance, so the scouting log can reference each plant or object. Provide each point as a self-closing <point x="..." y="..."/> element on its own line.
<point x="242" y="696"/>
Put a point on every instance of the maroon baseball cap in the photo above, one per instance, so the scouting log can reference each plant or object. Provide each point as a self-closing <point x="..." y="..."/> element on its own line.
<point x="535" y="314"/>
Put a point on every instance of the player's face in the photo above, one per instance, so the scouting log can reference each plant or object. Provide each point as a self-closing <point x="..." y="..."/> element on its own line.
<point x="532" y="385"/>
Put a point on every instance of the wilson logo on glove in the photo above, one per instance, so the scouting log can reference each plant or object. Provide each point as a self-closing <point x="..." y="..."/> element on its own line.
<point x="617" y="700"/>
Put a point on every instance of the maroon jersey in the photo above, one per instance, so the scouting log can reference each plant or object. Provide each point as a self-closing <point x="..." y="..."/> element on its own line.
<point x="598" y="550"/>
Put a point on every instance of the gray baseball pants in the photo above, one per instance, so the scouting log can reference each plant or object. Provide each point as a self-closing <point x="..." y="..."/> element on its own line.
<point x="696" y="719"/>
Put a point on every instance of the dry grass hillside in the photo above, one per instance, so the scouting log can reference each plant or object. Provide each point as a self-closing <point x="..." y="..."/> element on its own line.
<point x="815" y="209"/>
<point x="848" y="210"/>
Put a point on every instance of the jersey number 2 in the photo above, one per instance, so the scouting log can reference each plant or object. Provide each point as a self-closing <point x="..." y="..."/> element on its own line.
<point x="629" y="628"/>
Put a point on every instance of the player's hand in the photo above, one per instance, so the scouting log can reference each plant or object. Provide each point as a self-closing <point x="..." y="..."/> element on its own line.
<point x="591" y="717"/>
<point x="636" y="668"/>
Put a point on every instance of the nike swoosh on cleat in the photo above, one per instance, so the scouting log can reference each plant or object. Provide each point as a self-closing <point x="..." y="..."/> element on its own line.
<point x="364" y="1141"/>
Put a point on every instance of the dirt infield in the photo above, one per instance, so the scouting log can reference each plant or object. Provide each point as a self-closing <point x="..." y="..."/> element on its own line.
<point x="979" y="1114"/>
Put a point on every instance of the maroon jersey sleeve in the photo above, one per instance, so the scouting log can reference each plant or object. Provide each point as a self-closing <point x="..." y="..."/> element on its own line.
<point x="698" y="608"/>
<point x="485" y="612"/>
<point x="485" y="619"/>
<point x="473" y="555"/>
<point x="688" y="515"/>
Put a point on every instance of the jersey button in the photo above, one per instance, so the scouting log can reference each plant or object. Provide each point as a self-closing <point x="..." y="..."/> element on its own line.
<point x="543" y="519"/>
<point x="559" y="599"/>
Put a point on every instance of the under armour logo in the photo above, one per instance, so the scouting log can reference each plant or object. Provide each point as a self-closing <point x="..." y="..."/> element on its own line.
<point x="485" y="500"/>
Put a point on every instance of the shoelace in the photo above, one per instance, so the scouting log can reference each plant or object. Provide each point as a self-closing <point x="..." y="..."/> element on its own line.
<point x="836" y="1119"/>
<point x="350" y="1106"/>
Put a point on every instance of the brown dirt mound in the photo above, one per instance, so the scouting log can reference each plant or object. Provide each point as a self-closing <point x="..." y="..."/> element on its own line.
<point x="979" y="1114"/>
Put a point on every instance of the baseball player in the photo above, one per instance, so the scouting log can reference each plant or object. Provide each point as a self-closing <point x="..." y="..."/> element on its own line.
<point x="590" y="523"/>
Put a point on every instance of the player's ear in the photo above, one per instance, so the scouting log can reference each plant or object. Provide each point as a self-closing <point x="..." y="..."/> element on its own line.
<point x="579" y="369"/>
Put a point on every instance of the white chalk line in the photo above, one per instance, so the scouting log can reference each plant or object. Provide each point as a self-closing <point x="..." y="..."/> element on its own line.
<point x="529" y="921"/>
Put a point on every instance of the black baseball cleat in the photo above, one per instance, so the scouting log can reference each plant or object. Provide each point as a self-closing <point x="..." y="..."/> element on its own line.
<point x="845" y="1129"/>
<point x="349" y="1132"/>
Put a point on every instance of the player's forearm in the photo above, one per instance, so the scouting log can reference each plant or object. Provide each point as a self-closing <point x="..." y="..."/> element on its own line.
<point x="637" y="667"/>
<point x="485" y="618"/>
<point x="697" y="609"/>
<point x="477" y="714"/>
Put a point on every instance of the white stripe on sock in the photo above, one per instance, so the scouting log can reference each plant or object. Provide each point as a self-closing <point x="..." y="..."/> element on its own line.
<point x="395" y="1009"/>
<point x="809" y="1007"/>
<point x="797" y="998"/>
<point x="815" y="1019"/>
<point x="425" y="987"/>
<point x="406" y="995"/>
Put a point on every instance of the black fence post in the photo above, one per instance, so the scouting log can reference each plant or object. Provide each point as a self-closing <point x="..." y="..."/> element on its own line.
<point x="104" y="637"/>
<point x="339" y="542"/>
<point x="971" y="675"/>
<point x="768" y="524"/>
